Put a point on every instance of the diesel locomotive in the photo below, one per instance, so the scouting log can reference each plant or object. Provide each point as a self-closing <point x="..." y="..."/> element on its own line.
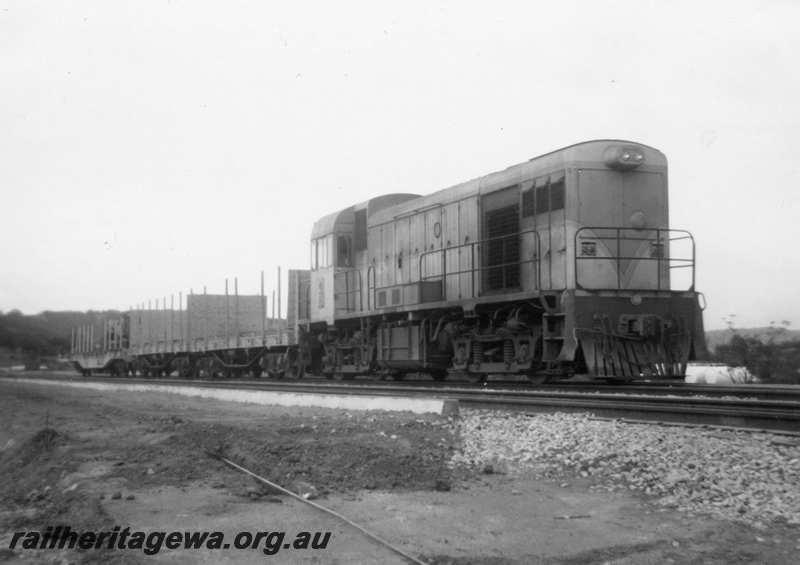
<point x="559" y="265"/>
<point x="563" y="264"/>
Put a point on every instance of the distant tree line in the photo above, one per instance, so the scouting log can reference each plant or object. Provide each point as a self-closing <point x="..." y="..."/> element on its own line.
<point x="45" y="334"/>
<point x="769" y="356"/>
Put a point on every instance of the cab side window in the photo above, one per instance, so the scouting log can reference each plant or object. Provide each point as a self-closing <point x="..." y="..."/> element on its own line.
<point x="528" y="208"/>
<point x="548" y="195"/>
<point x="542" y="199"/>
<point x="557" y="195"/>
<point x="343" y="251"/>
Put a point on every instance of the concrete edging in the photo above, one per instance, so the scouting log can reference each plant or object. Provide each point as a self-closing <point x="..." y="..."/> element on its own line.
<point x="446" y="407"/>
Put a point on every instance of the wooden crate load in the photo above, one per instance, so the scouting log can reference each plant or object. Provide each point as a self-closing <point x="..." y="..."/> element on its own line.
<point x="238" y="321"/>
<point x="157" y="331"/>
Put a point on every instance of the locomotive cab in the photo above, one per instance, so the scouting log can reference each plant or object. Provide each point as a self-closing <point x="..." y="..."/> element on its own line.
<point x="339" y="259"/>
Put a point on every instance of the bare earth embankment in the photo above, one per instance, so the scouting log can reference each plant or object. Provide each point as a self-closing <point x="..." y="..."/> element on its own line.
<point x="430" y="485"/>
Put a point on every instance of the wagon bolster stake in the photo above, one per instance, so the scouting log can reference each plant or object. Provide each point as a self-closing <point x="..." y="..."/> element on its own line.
<point x="374" y="537"/>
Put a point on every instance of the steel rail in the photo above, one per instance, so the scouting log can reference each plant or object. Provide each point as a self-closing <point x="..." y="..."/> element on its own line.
<point x="782" y="415"/>
<point x="677" y="388"/>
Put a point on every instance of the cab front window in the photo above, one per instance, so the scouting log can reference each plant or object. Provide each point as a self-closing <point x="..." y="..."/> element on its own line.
<point x="322" y="252"/>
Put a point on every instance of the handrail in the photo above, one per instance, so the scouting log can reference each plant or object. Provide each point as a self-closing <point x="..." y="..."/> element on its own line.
<point x="662" y="236"/>
<point x="478" y="269"/>
<point x="371" y="303"/>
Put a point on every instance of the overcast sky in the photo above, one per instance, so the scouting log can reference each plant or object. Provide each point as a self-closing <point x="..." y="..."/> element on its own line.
<point x="147" y="148"/>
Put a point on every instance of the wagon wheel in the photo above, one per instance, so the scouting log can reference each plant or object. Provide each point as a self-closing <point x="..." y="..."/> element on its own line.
<point x="294" y="371"/>
<point x="266" y="367"/>
<point x="191" y="369"/>
<point x="216" y="370"/>
<point x="290" y="365"/>
<point x="184" y="368"/>
<point x="205" y="368"/>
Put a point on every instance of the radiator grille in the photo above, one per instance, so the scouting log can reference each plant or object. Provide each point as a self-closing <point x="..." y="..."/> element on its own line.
<point x="502" y="250"/>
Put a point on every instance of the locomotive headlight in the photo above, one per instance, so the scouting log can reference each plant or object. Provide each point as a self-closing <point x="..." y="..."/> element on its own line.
<point x="623" y="157"/>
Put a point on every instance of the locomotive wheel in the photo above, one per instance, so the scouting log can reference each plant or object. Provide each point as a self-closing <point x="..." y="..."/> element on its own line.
<point x="538" y="378"/>
<point x="439" y="375"/>
<point x="480" y="378"/>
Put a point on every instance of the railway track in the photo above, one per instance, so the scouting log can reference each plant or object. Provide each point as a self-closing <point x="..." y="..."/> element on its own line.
<point x="659" y="404"/>
<point x="647" y="388"/>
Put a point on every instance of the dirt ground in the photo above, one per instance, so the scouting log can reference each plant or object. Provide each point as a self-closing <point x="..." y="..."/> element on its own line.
<point x="95" y="460"/>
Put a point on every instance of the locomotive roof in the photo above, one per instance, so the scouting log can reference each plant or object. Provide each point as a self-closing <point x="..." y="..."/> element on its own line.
<point x="386" y="207"/>
<point x="327" y="224"/>
<point x="547" y="163"/>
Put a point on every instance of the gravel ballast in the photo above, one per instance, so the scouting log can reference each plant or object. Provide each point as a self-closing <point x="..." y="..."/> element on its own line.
<point x="730" y="474"/>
